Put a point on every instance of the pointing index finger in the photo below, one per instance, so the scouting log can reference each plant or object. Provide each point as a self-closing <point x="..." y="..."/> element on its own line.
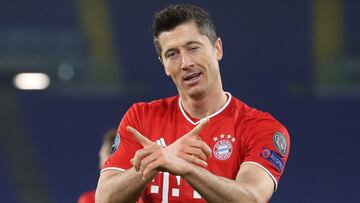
<point x="139" y="137"/>
<point x="197" y="129"/>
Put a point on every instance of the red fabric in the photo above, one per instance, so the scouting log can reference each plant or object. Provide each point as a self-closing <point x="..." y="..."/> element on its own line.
<point x="87" y="197"/>
<point x="237" y="134"/>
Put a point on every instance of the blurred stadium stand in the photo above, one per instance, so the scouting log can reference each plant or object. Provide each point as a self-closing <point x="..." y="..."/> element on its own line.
<point x="299" y="60"/>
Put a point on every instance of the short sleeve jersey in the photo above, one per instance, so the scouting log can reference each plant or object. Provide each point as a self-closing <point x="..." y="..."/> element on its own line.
<point x="237" y="135"/>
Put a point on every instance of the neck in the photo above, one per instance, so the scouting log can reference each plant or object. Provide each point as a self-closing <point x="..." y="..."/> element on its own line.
<point x="204" y="106"/>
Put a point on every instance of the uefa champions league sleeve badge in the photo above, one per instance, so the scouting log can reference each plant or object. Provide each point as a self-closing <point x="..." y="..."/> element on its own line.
<point x="116" y="143"/>
<point x="280" y="143"/>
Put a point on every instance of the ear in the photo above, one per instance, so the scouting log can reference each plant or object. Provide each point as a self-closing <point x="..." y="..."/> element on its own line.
<point x="160" y="60"/>
<point x="218" y="49"/>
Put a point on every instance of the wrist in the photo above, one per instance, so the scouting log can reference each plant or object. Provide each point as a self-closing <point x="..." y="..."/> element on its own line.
<point x="190" y="171"/>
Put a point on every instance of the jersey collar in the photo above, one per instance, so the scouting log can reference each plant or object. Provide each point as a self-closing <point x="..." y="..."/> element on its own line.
<point x="210" y="116"/>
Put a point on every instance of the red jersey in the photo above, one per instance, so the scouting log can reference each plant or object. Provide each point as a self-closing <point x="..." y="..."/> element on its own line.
<point x="237" y="134"/>
<point x="87" y="197"/>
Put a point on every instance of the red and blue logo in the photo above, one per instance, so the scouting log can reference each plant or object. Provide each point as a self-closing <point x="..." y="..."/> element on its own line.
<point x="223" y="149"/>
<point x="273" y="158"/>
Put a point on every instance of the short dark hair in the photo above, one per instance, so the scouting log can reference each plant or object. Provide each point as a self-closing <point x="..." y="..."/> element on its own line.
<point x="174" y="15"/>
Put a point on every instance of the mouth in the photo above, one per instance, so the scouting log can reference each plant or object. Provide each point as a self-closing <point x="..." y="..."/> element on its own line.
<point x="192" y="77"/>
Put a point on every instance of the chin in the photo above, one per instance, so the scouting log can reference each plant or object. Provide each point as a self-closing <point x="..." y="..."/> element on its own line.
<point x="196" y="92"/>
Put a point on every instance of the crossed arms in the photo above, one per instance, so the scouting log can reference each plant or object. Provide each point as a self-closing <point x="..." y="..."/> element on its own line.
<point x="186" y="158"/>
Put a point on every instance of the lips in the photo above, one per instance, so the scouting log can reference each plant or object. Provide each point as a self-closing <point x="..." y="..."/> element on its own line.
<point x="192" y="79"/>
<point x="191" y="76"/>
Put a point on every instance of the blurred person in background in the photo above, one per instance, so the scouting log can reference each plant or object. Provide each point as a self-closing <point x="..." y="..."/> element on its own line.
<point x="203" y="145"/>
<point x="107" y="147"/>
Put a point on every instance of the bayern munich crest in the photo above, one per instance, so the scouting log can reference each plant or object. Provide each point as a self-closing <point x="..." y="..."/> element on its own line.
<point x="223" y="147"/>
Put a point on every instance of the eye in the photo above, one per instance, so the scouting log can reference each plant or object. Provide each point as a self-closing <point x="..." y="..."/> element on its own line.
<point x="171" y="55"/>
<point x="194" y="48"/>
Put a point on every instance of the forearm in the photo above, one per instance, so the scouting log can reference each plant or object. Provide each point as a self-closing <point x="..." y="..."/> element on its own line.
<point x="218" y="189"/>
<point x="124" y="187"/>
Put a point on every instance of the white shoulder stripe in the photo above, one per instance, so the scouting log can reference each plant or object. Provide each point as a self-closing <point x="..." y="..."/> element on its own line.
<point x="111" y="168"/>
<point x="267" y="171"/>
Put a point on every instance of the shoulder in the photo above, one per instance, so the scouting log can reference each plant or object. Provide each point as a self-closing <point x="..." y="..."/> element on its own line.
<point x="156" y="105"/>
<point x="262" y="127"/>
<point x="251" y="117"/>
<point x="142" y="112"/>
<point x="245" y="110"/>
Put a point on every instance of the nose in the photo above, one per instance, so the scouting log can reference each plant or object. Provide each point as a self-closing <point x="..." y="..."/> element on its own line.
<point x="186" y="61"/>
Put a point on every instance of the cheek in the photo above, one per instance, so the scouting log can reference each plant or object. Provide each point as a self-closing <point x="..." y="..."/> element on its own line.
<point x="167" y="69"/>
<point x="171" y="71"/>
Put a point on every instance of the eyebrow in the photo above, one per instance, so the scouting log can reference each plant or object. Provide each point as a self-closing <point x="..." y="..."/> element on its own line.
<point x="193" y="42"/>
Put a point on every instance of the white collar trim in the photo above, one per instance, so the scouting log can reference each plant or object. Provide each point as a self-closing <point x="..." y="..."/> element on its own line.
<point x="210" y="116"/>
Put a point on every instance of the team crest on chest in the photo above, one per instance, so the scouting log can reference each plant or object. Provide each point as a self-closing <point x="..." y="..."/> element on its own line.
<point x="223" y="147"/>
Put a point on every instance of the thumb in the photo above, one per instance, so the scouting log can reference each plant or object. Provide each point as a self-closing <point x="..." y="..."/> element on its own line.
<point x="139" y="137"/>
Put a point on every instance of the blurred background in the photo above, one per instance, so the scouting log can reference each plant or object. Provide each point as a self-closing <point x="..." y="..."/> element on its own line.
<point x="299" y="60"/>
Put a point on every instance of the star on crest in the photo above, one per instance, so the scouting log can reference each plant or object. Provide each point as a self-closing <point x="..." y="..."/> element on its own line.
<point x="223" y="136"/>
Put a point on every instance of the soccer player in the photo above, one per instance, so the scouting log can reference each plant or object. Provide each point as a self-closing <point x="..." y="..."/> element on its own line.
<point x="104" y="152"/>
<point x="203" y="145"/>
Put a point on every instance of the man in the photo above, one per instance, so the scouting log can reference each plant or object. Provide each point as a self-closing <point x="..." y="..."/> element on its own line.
<point x="105" y="151"/>
<point x="202" y="145"/>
